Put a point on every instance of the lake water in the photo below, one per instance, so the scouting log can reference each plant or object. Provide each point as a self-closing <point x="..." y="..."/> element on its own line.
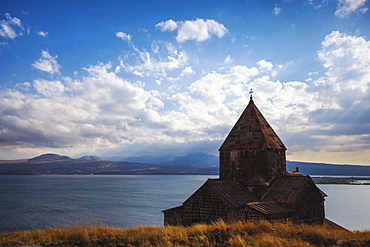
<point x="38" y="202"/>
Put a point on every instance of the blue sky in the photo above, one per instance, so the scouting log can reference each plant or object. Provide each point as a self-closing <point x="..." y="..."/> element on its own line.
<point x="130" y="78"/>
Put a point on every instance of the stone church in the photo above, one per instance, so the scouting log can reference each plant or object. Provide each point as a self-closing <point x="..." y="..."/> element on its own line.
<point x="253" y="183"/>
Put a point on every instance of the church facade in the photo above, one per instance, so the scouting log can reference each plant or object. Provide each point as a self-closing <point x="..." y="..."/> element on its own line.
<point x="253" y="183"/>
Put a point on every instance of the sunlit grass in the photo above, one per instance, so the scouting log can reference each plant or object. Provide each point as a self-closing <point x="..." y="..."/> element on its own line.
<point x="241" y="234"/>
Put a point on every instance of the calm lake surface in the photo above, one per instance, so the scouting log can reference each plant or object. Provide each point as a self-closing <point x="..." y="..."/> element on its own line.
<point x="38" y="202"/>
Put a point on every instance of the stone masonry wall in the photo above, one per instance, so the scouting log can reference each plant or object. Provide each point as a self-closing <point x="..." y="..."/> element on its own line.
<point x="205" y="208"/>
<point x="252" y="167"/>
<point x="310" y="208"/>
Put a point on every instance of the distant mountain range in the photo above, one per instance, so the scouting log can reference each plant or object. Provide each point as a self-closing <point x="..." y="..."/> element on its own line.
<point x="201" y="159"/>
<point x="54" y="164"/>
<point x="49" y="157"/>
<point x="54" y="157"/>
<point x="194" y="163"/>
<point x="328" y="169"/>
<point x="90" y="157"/>
<point x="194" y="159"/>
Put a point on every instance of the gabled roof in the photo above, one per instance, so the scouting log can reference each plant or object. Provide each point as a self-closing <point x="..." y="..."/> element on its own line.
<point x="269" y="208"/>
<point x="252" y="131"/>
<point x="330" y="225"/>
<point x="288" y="189"/>
<point x="178" y="208"/>
<point x="231" y="192"/>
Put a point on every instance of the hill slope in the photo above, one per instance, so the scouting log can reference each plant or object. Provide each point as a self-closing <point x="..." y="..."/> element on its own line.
<point x="328" y="169"/>
<point x="49" y="157"/>
<point x="52" y="164"/>
<point x="90" y="157"/>
<point x="194" y="159"/>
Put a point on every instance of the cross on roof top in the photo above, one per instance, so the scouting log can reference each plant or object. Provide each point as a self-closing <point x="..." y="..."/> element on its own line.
<point x="251" y="93"/>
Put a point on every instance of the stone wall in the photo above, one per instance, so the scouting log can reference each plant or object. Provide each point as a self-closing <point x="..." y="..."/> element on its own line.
<point x="252" y="167"/>
<point x="310" y="207"/>
<point x="174" y="216"/>
<point x="205" y="207"/>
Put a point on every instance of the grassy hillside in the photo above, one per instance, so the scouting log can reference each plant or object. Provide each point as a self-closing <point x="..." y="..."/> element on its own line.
<point x="216" y="234"/>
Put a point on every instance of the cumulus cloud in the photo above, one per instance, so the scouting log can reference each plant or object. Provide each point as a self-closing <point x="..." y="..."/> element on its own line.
<point x="155" y="64"/>
<point x="347" y="59"/>
<point x="188" y="71"/>
<point x="228" y="59"/>
<point x="48" y="88"/>
<point x="43" y="34"/>
<point x="332" y="106"/>
<point x="47" y="63"/>
<point x="11" y="27"/>
<point x="264" y="65"/>
<point x="169" y="25"/>
<point x="124" y="36"/>
<point x="103" y="110"/>
<point x="24" y="86"/>
<point x="210" y="102"/>
<point x="199" y="30"/>
<point x="98" y="109"/>
<point x="341" y="115"/>
<point x="345" y="7"/>
<point x="277" y="10"/>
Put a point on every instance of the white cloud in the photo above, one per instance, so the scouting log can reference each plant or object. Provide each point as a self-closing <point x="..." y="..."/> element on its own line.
<point x="276" y="11"/>
<point x="97" y="110"/>
<point x="199" y="30"/>
<point x="104" y="111"/>
<point x="11" y="27"/>
<point x="345" y="7"/>
<point x="47" y="63"/>
<point x="264" y="65"/>
<point x="347" y="59"/>
<point x="124" y="36"/>
<point x="155" y="64"/>
<point x="48" y="88"/>
<point x="159" y="82"/>
<point x="23" y="86"/>
<point x="215" y="98"/>
<point x="228" y="59"/>
<point x="339" y="116"/>
<point x="297" y="110"/>
<point x="169" y="25"/>
<point x="43" y="34"/>
<point x="188" y="71"/>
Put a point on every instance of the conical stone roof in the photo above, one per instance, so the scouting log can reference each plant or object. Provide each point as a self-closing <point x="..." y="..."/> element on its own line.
<point x="252" y="131"/>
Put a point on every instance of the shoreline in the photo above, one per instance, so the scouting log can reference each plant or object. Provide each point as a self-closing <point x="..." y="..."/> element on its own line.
<point x="342" y="180"/>
<point x="321" y="179"/>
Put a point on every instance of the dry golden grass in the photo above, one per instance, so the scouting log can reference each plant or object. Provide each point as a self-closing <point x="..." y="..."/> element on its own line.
<point x="261" y="234"/>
